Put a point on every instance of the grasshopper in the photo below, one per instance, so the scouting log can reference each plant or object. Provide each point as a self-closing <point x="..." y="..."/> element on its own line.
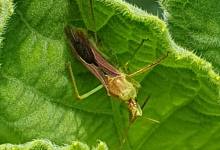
<point x="114" y="81"/>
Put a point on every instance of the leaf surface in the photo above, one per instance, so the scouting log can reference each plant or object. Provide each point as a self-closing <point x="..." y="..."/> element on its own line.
<point x="36" y="98"/>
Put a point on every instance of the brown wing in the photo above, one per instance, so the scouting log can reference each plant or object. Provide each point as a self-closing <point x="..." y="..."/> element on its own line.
<point x="106" y="66"/>
<point x="89" y="56"/>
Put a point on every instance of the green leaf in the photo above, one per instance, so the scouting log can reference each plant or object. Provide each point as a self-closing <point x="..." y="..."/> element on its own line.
<point x="47" y="145"/>
<point x="6" y="10"/>
<point x="36" y="99"/>
<point x="196" y="26"/>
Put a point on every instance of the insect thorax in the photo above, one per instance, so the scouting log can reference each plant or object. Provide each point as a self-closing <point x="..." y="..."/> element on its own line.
<point x="119" y="86"/>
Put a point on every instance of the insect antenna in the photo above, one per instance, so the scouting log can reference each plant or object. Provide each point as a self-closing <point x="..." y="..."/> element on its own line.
<point x="150" y="119"/>
<point x="145" y="102"/>
<point x="142" y="107"/>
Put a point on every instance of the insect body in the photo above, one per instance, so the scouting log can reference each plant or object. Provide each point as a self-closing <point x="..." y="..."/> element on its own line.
<point x="115" y="82"/>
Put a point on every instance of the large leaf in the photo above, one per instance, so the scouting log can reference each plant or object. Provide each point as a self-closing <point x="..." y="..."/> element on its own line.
<point x="6" y="10"/>
<point x="46" y="145"/>
<point x="36" y="99"/>
<point x="196" y="26"/>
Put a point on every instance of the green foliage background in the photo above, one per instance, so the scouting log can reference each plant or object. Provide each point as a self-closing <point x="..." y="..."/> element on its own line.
<point x="36" y="100"/>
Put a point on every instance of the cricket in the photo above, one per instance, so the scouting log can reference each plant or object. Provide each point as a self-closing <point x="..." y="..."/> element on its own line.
<point x="115" y="82"/>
